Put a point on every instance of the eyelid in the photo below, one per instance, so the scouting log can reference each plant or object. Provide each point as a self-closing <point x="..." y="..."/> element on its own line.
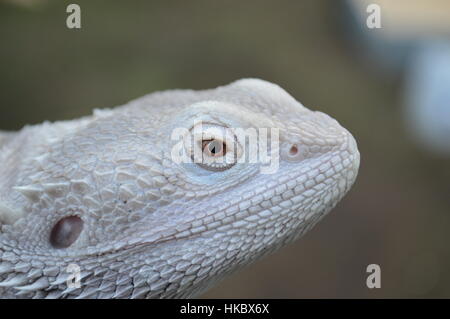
<point x="207" y="131"/>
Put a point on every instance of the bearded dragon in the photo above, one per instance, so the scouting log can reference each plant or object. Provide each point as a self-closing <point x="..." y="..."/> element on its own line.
<point x="106" y="193"/>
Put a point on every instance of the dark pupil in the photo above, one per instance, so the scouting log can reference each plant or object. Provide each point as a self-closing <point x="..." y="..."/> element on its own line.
<point x="215" y="147"/>
<point x="66" y="231"/>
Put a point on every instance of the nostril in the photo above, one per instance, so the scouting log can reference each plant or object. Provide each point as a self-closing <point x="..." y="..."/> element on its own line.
<point x="293" y="150"/>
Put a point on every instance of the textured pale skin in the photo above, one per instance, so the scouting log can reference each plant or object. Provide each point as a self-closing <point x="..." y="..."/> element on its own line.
<point x="154" y="228"/>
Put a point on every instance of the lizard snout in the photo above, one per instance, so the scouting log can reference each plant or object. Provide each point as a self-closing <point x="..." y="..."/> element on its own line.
<point x="313" y="135"/>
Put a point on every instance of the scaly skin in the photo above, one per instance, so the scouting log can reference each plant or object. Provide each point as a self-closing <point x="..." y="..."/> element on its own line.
<point x="151" y="227"/>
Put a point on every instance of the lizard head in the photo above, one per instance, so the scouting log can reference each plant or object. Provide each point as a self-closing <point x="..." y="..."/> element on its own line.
<point x="167" y="194"/>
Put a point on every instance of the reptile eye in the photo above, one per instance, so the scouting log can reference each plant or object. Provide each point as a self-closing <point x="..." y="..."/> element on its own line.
<point x="66" y="231"/>
<point x="214" y="148"/>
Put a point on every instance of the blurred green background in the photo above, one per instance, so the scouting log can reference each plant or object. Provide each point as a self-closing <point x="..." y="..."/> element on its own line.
<point x="397" y="214"/>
